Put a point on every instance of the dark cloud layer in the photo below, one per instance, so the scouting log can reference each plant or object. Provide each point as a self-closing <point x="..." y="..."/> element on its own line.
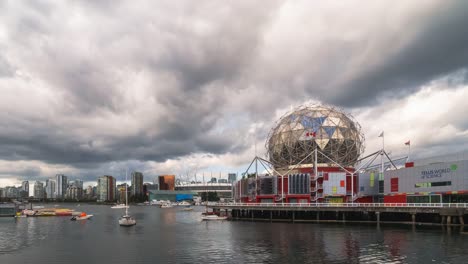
<point x="440" y="47"/>
<point x="95" y="82"/>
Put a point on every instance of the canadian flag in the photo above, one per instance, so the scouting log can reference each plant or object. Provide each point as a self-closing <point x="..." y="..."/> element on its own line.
<point x="407" y="143"/>
<point x="310" y="134"/>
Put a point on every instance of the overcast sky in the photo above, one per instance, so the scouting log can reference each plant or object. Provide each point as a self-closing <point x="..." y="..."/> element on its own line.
<point x="91" y="87"/>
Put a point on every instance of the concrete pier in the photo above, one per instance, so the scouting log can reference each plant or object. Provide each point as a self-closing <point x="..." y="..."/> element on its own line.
<point x="429" y="214"/>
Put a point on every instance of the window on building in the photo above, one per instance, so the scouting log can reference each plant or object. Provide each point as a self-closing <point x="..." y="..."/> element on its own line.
<point x="394" y="184"/>
<point x="432" y="184"/>
<point x="381" y="186"/>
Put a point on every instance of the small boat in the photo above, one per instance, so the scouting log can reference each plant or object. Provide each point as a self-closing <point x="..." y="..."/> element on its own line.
<point x="82" y="216"/>
<point x="20" y="215"/>
<point x="126" y="220"/>
<point x="29" y="212"/>
<point x="166" y="205"/>
<point x="119" y="206"/>
<point x="184" y="203"/>
<point x="213" y="217"/>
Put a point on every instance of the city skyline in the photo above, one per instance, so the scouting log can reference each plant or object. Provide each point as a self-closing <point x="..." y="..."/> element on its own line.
<point x="89" y="89"/>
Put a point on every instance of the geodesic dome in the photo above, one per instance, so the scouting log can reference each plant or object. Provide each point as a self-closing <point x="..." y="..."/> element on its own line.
<point x="299" y="132"/>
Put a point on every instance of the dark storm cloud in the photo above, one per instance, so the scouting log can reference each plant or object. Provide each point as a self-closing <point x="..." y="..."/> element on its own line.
<point x="439" y="48"/>
<point x="88" y="80"/>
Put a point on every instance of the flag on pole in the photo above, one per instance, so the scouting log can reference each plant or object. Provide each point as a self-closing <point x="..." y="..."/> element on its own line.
<point x="381" y="134"/>
<point x="407" y="143"/>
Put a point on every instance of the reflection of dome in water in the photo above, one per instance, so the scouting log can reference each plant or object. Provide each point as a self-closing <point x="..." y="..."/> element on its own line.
<point x="330" y="130"/>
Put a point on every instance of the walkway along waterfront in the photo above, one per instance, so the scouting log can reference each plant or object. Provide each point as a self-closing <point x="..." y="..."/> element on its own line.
<point x="405" y="213"/>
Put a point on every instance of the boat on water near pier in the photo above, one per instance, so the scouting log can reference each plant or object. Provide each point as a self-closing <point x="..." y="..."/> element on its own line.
<point x="50" y="212"/>
<point x="119" y="206"/>
<point x="82" y="216"/>
<point x="213" y="217"/>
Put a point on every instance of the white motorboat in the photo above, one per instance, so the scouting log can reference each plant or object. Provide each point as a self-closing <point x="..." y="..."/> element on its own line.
<point x="119" y="206"/>
<point x="126" y="220"/>
<point x="82" y="216"/>
<point x="213" y="217"/>
<point x="184" y="203"/>
<point x="159" y="203"/>
<point x="166" y="205"/>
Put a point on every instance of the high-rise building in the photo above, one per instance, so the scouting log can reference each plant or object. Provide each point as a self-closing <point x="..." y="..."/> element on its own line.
<point x="89" y="192"/>
<point x="24" y="189"/>
<point x="74" y="192"/>
<point x="232" y="177"/>
<point x="106" y="188"/>
<point x="11" y="192"/>
<point x="61" y="186"/>
<point x="137" y="183"/>
<point x="50" y="189"/>
<point x="121" y="192"/>
<point x="79" y="183"/>
<point x="167" y="182"/>
<point x="39" y="190"/>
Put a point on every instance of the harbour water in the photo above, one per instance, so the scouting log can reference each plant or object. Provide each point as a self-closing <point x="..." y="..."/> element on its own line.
<point x="175" y="236"/>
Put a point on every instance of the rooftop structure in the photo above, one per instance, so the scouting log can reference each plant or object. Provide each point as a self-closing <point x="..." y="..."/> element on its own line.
<point x="298" y="133"/>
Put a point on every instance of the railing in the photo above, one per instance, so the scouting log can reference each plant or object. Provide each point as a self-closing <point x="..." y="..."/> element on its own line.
<point x="354" y="205"/>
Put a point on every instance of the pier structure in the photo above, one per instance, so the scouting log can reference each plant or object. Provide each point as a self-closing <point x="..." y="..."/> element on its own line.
<point x="446" y="214"/>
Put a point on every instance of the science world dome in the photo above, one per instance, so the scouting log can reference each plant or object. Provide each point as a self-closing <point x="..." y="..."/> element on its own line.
<point x="300" y="132"/>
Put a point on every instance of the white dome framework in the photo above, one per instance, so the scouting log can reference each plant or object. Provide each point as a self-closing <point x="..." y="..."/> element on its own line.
<point x="326" y="128"/>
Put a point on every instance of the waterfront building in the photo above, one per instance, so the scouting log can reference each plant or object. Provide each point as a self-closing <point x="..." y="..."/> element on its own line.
<point x="106" y="188"/>
<point x="39" y="190"/>
<point x="24" y="189"/>
<point x="167" y="182"/>
<point x="232" y="177"/>
<point x="442" y="179"/>
<point x="12" y="192"/>
<point x="50" y="189"/>
<point x="173" y="196"/>
<point x="89" y="192"/>
<point x="120" y="197"/>
<point x="137" y="184"/>
<point x="61" y="186"/>
<point x="222" y="190"/>
<point x="79" y="183"/>
<point x="74" y="192"/>
<point x="315" y="156"/>
<point x="149" y="187"/>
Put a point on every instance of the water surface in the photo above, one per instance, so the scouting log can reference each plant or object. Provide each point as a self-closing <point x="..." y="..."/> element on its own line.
<point x="176" y="236"/>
